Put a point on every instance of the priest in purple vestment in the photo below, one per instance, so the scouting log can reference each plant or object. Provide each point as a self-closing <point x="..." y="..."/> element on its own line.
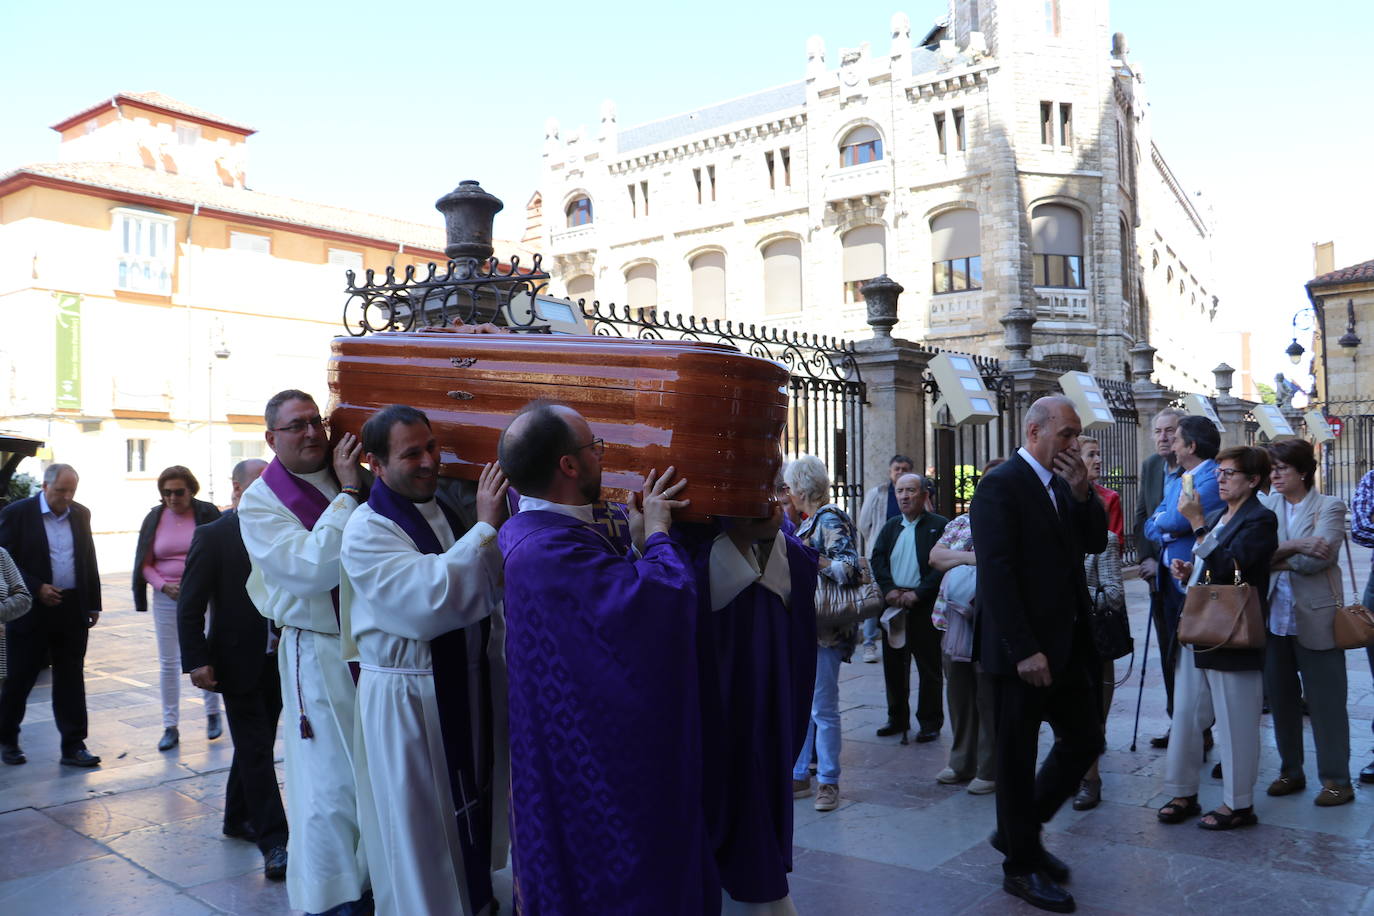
<point x="605" y="731"/>
<point x="757" y="660"/>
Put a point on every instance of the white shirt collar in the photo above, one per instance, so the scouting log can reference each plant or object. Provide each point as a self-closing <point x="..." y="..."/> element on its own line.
<point x="732" y="572"/>
<point x="45" y="509"/>
<point x="581" y="513"/>
<point x="1036" y="466"/>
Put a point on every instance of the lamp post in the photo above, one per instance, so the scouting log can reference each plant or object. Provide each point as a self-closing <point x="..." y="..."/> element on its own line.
<point x="221" y="352"/>
<point x="1295" y="350"/>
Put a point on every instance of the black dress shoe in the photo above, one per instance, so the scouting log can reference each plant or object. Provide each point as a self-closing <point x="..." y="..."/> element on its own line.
<point x="927" y="734"/>
<point x="213" y="728"/>
<point x="171" y="737"/>
<point x="1055" y="868"/>
<point x="888" y="730"/>
<point x="13" y="754"/>
<point x="1039" y="890"/>
<point x="274" y="863"/>
<point x="1366" y="775"/>
<point x="82" y="758"/>
<point x="1161" y="742"/>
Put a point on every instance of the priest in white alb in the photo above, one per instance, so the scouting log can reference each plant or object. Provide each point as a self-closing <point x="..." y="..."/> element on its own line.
<point x="292" y="520"/>
<point x="421" y="602"/>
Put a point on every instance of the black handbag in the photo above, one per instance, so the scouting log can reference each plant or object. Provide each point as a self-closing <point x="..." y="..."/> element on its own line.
<point x="1111" y="627"/>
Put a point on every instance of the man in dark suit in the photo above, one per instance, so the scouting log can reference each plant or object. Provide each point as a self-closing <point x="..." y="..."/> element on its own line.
<point x="239" y="660"/>
<point x="49" y="537"/>
<point x="901" y="567"/>
<point x="1152" y="473"/>
<point x="1034" y="518"/>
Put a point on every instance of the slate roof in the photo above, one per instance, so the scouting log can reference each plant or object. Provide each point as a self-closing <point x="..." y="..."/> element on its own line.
<point x="156" y="100"/>
<point x="744" y="108"/>
<point x="131" y="179"/>
<point x="1357" y="273"/>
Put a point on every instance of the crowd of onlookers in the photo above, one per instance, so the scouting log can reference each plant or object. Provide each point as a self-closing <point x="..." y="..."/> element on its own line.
<point x="1206" y="515"/>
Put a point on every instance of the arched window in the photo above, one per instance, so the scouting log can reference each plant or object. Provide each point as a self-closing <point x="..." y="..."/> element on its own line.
<point x="641" y="287"/>
<point x="956" y="264"/>
<point x="782" y="276"/>
<point x="579" y="211"/>
<point x="865" y="257"/>
<point x="1057" y="246"/>
<point x="708" y="284"/>
<point x="860" y="145"/>
<point x="580" y="287"/>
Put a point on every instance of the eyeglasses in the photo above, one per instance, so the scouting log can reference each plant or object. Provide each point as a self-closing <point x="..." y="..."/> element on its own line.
<point x="1228" y="473"/>
<point x="299" y="426"/>
<point x="598" y="447"/>
<point x="1281" y="468"/>
<point x="177" y="493"/>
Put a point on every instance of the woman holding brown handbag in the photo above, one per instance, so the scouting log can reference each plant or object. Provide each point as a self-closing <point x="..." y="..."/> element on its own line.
<point x="1222" y="684"/>
<point x="1304" y="594"/>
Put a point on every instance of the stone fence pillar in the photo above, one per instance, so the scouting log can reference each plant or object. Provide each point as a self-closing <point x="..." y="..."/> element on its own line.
<point x="895" y="415"/>
<point x="1150" y="397"/>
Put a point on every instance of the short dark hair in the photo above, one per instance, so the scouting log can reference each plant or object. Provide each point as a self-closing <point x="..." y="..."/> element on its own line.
<point x="377" y="430"/>
<point x="1201" y="433"/>
<point x="1299" y="455"/>
<point x="281" y="397"/>
<point x="1250" y="460"/>
<point x="530" y="458"/>
<point x="177" y="472"/>
<point x="902" y="458"/>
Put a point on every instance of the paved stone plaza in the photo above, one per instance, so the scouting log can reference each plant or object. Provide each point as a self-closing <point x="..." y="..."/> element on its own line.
<point x="141" y="834"/>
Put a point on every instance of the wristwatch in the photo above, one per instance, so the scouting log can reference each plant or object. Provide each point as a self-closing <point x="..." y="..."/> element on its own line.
<point x="1200" y="533"/>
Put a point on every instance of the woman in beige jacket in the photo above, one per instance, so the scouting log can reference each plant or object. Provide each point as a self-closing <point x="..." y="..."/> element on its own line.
<point x="1304" y="593"/>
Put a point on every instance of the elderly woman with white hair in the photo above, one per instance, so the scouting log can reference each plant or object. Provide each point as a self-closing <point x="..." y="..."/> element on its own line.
<point x="829" y="531"/>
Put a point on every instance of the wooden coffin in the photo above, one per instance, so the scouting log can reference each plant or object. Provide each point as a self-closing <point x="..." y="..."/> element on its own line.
<point x="714" y="413"/>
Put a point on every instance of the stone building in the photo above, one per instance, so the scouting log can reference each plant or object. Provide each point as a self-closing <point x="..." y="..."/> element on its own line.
<point x="1001" y="161"/>
<point x="1344" y="302"/>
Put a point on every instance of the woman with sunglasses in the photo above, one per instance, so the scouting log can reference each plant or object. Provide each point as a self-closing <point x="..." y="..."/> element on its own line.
<point x="159" y="560"/>
<point x="1225" y="684"/>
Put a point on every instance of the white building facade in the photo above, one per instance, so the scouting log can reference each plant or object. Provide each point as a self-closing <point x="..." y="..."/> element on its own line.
<point x="1002" y="160"/>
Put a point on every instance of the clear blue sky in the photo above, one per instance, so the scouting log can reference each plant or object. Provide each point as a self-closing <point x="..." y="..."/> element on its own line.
<point x="385" y="107"/>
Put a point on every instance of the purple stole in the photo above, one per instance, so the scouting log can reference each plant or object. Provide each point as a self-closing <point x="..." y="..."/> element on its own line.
<point x="469" y="774"/>
<point x="307" y="504"/>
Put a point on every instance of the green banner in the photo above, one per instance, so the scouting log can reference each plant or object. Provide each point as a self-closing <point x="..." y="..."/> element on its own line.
<point x="68" y="351"/>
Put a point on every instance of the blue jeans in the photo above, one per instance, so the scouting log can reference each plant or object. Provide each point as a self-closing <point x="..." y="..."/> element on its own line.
<point x="871" y="630"/>
<point x="823" y="731"/>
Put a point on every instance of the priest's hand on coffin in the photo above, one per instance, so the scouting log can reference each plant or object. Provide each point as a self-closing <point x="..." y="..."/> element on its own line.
<point x="491" y="495"/>
<point x="347" y="455"/>
<point x="636" y="524"/>
<point x="659" y="502"/>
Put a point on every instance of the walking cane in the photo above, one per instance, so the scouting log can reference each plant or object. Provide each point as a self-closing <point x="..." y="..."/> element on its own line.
<point x="1145" y="662"/>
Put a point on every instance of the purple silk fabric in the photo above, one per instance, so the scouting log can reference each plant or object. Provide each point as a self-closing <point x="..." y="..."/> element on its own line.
<point x="757" y="660"/>
<point x="605" y="732"/>
<point x="299" y="496"/>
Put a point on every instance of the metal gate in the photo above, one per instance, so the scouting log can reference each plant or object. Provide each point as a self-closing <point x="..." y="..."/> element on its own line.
<point x="825" y="394"/>
<point x="1345" y="460"/>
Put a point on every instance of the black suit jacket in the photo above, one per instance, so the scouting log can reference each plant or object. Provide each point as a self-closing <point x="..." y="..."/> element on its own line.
<point x="23" y="535"/>
<point x="1032" y="591"/>
<point x="217" y="567"/>
<point x="927" y="531"/>
<point x="1150" y="495"/>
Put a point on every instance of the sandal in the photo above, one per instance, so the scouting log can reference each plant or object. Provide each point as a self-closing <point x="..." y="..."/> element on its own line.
<point x="1241" y="817"/>
<point x="1175" y="813"/>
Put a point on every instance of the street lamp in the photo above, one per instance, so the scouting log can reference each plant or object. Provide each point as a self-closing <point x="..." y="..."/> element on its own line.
<point x="1295" y="350"/>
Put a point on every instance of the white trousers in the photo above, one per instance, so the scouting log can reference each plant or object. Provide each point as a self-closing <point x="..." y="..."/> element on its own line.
<point x="1231" y="699"/>
<point x="169" y="662"/>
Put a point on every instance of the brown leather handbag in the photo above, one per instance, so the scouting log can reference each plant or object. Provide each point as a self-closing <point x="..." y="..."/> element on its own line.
<point x="1222" y="616"/>
<point x="1353" y="625"/>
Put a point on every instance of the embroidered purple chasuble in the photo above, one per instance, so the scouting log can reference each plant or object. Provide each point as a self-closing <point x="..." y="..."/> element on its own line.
<point x="605" y="731"/>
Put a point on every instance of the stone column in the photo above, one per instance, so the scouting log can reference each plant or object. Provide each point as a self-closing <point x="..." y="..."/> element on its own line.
<point x="895" y="415"/>
<point x="1150" y="397"/>
<point x="1231" y="410"/>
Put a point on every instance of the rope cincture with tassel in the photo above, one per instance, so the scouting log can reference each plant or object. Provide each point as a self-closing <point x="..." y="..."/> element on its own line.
<point x="306" y="731"/>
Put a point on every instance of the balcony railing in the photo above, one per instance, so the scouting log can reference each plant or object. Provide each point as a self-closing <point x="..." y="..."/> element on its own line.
<point x="955" y="308"/>
<point x="1062" y="304"/>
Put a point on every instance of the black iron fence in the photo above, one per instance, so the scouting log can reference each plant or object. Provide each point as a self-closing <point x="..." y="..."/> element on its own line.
<point x="1346" y="459"/>
<point x="959" y="453"/>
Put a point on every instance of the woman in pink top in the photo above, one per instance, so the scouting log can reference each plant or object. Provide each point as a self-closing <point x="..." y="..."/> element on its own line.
<point x="159" y="560"/>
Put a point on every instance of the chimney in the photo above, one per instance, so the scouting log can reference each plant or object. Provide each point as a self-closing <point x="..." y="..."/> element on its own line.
<point x="1323" y="258"/>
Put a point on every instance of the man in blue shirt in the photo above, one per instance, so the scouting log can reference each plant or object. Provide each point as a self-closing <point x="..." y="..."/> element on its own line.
<point x="1195" y="446"/>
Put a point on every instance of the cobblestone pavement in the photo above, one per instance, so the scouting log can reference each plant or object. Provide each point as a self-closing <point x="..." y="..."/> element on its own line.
<point x="141" y="834"/>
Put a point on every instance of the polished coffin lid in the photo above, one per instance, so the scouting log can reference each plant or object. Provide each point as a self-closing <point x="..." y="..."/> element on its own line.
<point x="711" y="411"/>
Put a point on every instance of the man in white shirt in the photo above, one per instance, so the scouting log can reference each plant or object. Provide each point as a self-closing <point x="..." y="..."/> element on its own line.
<point x="421" y="610"/>
<point x="292" y="521"/>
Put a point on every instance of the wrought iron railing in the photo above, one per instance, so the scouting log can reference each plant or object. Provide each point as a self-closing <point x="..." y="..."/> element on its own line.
<point x="466" y="290"/>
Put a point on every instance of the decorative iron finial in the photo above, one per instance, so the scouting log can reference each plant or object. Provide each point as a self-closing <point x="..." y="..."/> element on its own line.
<point x="880" y="295"/>
<point x="468" y="216"/>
